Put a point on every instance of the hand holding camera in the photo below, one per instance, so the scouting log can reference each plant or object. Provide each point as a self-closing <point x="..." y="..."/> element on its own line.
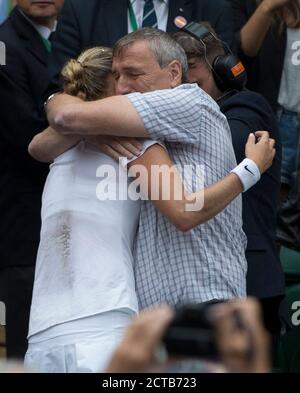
<point x="231" y="333"/>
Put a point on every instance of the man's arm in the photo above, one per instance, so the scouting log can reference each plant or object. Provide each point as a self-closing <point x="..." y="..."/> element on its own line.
<point x="173" y="115"/>
<point x="109" y="116"/>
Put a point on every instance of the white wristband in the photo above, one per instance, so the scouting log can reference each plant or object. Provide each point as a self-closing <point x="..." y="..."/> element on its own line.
<point x="248" y="173"/>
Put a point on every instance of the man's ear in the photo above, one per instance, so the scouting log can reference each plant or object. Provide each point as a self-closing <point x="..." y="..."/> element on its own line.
<point x="175" y="72"/>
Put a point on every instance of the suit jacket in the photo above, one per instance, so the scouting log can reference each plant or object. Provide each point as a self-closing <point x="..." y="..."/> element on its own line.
<point x="22" y="81"/>
<point x="265" y="70"/>
<point x="246" y="112"/>
<point x="104" y="22"/>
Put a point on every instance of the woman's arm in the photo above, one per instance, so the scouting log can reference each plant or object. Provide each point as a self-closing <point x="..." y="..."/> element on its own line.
<point x="49" y="144"/>
<point x="255" y="30"/>
<point x="164" y="191"/>
<point x="187" y="210"/>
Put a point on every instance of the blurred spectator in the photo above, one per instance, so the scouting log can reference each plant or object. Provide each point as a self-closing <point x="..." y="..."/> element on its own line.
<point x="102" y="23"/>
<point x="25" y="34"/>
<point x="241" y="349"/>
<point x="246" y="112"/>
<point x="5" y="7"/>
<point x="269" y="36"/>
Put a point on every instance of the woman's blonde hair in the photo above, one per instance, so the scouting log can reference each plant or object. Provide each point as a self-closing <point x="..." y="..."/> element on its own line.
<point x="86" y="77"/>
<point x="293" y="9"/>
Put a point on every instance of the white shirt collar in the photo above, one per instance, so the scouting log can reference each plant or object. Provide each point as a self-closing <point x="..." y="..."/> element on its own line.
<point x="44" y="31"/>
<point x="162" y="1"/>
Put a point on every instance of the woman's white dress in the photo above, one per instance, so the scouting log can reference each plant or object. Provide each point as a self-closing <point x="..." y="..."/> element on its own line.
<point x="84" y="271"/>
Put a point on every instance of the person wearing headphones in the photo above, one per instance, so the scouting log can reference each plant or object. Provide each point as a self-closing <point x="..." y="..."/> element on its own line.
<point x="221" y="74"/>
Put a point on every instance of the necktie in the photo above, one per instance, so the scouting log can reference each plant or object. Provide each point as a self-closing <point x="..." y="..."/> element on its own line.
<point x="149" y="18"/>
<point x="47" y="44"/>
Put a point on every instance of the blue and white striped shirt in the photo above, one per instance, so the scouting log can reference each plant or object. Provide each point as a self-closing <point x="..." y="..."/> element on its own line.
<point x="209" y="261"/>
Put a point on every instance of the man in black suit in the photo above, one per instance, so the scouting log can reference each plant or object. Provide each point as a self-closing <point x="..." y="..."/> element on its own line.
<point x="22" y="81"/>
<point x="246" y="112"/>
<point x="104" y="22"/>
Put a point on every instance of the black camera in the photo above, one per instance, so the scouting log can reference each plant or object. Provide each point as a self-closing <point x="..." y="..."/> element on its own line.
<point x="192" y="333"/>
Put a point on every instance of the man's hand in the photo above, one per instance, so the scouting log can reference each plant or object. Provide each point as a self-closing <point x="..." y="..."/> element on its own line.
<point x="116" y="147"/>
<point x="262" y="152"/>
<point x="136" y="352"/>
<point x="243" y="348"/>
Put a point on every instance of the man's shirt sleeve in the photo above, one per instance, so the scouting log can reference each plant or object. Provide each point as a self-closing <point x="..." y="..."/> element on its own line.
<point x="173" y="115"/>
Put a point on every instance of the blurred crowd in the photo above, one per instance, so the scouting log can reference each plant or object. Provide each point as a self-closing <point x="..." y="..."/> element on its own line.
<point x="248" y="64"/>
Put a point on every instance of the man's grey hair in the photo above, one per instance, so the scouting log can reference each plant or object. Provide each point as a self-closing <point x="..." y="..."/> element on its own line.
<point x="162" y="45"/>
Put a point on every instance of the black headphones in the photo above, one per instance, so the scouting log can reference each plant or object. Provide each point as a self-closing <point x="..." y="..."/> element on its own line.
<point x="228" y="71"/>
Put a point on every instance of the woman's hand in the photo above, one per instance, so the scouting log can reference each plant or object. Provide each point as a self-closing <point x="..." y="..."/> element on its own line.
<point x="262" y="152"/>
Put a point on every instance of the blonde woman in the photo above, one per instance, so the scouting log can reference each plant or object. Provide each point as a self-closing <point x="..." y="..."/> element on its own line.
<point x="84" y="295"/>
